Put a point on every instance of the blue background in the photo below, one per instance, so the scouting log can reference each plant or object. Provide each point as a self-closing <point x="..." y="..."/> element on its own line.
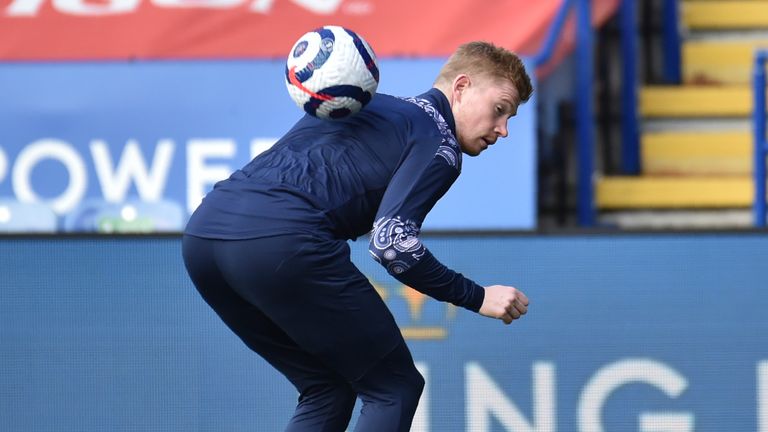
<point x="236" y="100"/>
<point x="108" y="334"/>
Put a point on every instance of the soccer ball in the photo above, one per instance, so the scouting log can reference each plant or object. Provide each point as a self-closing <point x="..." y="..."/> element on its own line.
<point x="331" y="72"/>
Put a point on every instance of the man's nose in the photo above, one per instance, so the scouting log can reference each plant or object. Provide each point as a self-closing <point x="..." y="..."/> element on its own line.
<point x="501" y="130"/>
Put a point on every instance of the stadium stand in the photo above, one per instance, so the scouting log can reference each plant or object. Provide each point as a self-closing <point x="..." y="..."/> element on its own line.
<point x="696" y="141"/>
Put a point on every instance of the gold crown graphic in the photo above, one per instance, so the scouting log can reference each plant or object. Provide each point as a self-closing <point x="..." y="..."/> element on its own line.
<point x="417" y="327"/>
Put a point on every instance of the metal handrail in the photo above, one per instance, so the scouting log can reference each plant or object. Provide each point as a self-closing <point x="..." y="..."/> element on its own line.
<point x="585" y="110"/>
<point x="554" y="32"/>
<point x="584" y="105"/>
<point x="672" y="44"/>
<point x="760" y="144"/>
<point x="630" y="135"/>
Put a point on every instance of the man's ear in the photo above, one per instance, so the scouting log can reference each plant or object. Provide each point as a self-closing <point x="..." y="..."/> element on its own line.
<point x="460" y="83"/>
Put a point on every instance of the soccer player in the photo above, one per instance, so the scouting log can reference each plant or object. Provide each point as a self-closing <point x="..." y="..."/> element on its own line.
<point x="267" y="248"/>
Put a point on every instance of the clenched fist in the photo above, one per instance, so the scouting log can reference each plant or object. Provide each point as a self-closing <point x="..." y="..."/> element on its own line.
<point x="504" y="302"/>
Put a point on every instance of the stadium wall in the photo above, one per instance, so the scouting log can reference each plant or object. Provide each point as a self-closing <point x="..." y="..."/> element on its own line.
<point x="655" y="332"/>
<point x="88" y="139"/>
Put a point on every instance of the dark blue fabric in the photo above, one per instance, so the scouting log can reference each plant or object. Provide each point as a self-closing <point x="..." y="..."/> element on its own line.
<point x="307" y="286"/>
<point x="267" y="249"/>
<point x="390" y="162"/>
<point x="299" y="303"/>
<point x="327" y="176"/>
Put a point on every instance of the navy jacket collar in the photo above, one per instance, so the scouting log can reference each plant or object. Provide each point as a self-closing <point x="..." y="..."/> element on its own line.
<point x="438" y="99"/>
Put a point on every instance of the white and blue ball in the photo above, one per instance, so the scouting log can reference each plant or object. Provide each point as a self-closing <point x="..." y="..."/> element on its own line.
<point x="331" y="73"/>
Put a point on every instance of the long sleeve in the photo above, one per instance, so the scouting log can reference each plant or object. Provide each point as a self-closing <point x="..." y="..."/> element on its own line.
<point x="423" y="177"/>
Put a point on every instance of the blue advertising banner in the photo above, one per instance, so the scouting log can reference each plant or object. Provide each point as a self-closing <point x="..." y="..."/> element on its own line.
<point x="645" y="333"/>
<point x="99" y="143"/>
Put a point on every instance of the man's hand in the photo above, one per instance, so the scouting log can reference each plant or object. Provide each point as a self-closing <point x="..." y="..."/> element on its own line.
<point x="504" y="302"/>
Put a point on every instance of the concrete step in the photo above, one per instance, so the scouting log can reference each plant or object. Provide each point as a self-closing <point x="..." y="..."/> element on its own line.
<point x="678" y="219"/>
<point x="724" y="14"/>
<point x="697" y="153"/>
<point x="660" y="192"/>
<point x="720" y="62"/>
<point x="696" y="101"/>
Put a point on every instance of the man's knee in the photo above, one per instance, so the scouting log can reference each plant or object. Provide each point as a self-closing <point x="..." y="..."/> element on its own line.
<point x="403" y="389"/>
<point x="412" y="388"/>
<point x="323" y="408"/>
<point x="338" y="394"/>
<point x="390" y="403"/>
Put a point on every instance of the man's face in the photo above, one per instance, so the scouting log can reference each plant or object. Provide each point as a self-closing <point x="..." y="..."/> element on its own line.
<point x="481" y="107"/>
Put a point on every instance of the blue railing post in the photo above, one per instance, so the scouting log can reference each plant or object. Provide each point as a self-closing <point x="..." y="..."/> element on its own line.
<point x="585" y="112"/>
<point x="671" y="35"/>
<point x="584" y="96"/>
<point x="554" y="32"/>
<point x="761" y="147"/>
<point x="630" y="137"/>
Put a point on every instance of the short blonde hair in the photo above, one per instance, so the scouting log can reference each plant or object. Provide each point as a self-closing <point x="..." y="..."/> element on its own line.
<point x="485" y="58"/>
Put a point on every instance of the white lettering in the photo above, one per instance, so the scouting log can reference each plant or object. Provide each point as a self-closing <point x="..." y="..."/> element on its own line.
<point x="260" y="145"/>
<point x="50" y="149"/>
<point x="485" y="398"/>
<point x="666" y="422"/>
<point x="762" y="396"/>
<point x="3" y="165"/>
<point x="200" y="175"/>
<point x="615" y="375"/>
<point x="132" y="168"/>
<point x="24" y="7"/>
<point x="262" y="6"/>
<point x="322" y="7"/>
<point x="421" y="418"/>
<point x="106" y="7"/>
<point x="358" y="8"/>
<point x="210" y="4"/>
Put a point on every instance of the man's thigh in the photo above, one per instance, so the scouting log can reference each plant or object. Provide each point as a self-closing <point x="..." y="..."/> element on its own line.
<point x="311" y="290"/>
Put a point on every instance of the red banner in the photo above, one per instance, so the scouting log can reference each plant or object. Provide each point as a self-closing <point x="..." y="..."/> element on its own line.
<point x="216" y="29"/>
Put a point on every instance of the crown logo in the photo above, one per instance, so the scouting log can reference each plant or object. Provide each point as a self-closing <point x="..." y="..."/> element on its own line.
<point x="419" y="317"/>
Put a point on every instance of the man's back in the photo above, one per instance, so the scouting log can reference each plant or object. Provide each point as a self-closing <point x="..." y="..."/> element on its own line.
<point x="327" y="176"/>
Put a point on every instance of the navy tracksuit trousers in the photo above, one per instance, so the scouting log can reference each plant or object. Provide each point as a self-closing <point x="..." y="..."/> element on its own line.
<point x="300" y="303"/>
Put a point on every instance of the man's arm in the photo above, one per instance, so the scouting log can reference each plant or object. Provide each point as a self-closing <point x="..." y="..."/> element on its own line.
<point x="421" y="180"/>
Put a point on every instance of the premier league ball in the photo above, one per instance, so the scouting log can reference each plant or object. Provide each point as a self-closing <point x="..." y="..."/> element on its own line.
<point x="331" y="73"/>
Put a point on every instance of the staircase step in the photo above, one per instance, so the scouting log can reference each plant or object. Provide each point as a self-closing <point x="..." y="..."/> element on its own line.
<point x="679" y="219"/>
<point x="720" y="62"/>
<point x="674" y="192"/>
<point x="725" y="14"/>
<point x="697" y="153"/>
<point x="696" y="101"/>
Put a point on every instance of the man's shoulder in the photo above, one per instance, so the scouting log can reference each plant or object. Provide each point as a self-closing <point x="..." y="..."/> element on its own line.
<point x="388" y="100"/>
<point x="409" y="106"/>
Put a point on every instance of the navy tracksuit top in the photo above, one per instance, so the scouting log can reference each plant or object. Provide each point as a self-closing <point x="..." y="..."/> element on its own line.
<point x="382" y="169"/>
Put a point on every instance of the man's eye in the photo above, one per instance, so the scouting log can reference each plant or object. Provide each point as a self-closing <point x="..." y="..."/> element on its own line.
<point x="499" y="109"/>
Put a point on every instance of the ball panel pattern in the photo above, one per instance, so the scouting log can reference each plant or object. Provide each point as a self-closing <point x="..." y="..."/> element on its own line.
<point x="331" y="73"/>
